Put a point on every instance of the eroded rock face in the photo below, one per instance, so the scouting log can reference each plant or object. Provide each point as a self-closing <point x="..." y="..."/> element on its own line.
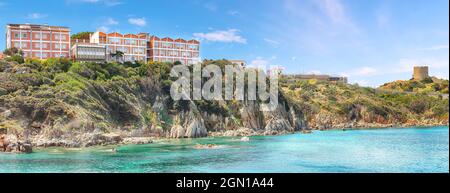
<point x="250" y="115"/>
<point x="195" y="129"/>
<point x="101" y="139"/>
<point x="189" y="124"/>
<point x="177" y="131"/>
<point x="279" y="125"/>
<point x="10" y="143"/>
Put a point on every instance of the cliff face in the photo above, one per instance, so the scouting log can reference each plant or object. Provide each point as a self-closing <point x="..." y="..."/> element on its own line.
<point x="328" y="105"/>
<point x="59" y="103"/>
<point x="74" y="108"/>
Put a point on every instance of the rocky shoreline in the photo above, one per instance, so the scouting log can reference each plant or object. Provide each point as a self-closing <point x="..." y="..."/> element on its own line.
<point x="10" y="143"/>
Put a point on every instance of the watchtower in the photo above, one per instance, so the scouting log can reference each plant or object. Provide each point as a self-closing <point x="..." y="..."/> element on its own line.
<point x="420" y="73"/>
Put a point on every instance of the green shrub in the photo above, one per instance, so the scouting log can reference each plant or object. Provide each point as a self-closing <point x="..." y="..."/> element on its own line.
<point x="16" y="58"/>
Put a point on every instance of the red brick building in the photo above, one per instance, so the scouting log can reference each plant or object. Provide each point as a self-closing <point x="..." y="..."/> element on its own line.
<point x="134" y="46"/>
<point x="170" y="50"/>
<point x="39" y="41"/>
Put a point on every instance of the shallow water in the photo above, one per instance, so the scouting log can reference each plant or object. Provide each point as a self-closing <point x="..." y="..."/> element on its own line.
<point x="376" y="150"/>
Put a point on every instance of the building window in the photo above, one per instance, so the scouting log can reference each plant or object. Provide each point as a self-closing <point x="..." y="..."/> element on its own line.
<point x="24" y="35"/>
<point x="193" y="47"/>
<point x="114" y="40"/>
<point x="37" y="36"/>
<point x="16" y="35"/>
<point x="16" y="44"/>
<point x="57" y="46"/>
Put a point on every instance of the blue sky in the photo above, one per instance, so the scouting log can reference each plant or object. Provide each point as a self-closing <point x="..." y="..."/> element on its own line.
<point x="371" y="41"/>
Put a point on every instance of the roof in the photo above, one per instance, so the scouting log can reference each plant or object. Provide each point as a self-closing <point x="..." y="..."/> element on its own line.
<point x="38" y="26"/>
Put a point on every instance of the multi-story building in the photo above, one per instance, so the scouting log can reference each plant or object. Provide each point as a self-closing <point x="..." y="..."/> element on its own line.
<point x="133" y="46"/>
<point x="169" y="50"/>
<point x="39" y="41"/>
<point x="88" y="52"/>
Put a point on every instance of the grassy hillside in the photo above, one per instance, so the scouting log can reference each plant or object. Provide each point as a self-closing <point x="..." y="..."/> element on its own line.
<point x="340" y="104"/>
<point x="427" y="86"/>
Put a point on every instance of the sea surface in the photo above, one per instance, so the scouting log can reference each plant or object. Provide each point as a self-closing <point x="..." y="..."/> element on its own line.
<point x="415" y="150"/>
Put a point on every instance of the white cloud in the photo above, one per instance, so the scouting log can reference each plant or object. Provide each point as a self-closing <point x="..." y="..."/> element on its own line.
<point x="36" y="16"/>
<point x="141" y="22"/>
<point x="105" y="24"/>
<point x="103" y="29"/>
<point x="111" y="21"/>
<point x="271" y="41"/>
<point x="228" y="36"/>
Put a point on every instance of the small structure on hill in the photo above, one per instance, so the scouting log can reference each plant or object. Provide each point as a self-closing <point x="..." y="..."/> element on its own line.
<point x="322" y="77"/>
<point x="420" y="73"/>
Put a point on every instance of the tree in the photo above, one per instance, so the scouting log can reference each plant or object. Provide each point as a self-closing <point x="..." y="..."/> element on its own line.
<point x="14" y="55"/>
<point x="117" y="55"/>
<point x="81" y="35"/>
<point x="12" y="51"/>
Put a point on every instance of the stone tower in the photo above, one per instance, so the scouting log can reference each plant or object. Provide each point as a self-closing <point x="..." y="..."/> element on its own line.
<point x="420" y="73"/>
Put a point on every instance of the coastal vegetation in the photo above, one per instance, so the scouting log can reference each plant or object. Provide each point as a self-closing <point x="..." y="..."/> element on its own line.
<point x="81" y="35"/>
<point x="58" y="102"/>
<point x="427" y="86"/>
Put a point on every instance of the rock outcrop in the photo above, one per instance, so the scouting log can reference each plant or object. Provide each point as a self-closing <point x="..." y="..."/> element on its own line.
<point x="189" y="124"/>
<point x="11" y="143"/>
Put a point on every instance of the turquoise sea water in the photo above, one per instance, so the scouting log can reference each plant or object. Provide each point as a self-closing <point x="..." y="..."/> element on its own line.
<point x="381" y="150"/>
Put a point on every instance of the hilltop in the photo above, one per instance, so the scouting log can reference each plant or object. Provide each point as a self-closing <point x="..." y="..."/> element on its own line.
<point x="426" y="86"/>
<point x="56" y="102"/>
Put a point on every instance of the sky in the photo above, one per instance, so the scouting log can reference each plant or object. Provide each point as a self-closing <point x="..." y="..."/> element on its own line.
<point x="371" y="41"/>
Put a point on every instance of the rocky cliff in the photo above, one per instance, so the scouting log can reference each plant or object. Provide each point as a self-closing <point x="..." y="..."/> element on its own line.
<point x="60" y="103"/>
